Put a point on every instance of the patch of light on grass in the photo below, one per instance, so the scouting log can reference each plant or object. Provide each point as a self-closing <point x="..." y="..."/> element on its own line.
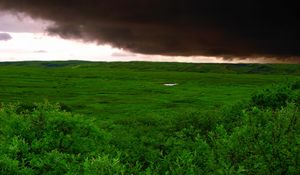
<point x="170" y="84"/>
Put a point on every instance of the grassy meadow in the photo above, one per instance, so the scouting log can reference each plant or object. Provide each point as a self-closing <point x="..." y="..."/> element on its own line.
<point x="120" y="118"/>
<point x="113" y="91"/>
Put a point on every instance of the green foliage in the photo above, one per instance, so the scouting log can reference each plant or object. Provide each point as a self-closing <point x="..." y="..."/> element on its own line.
<point x="266" y="142"/>
<point x="232" y="115"/>
<point x="274" y="98"/>
<point x="136" y="88"/>
<point x="103" y="165"/>
<point x="295" y="85"/>
<point x="46" y="140"/>
<point x="245" y="138"/>
<point x="131" y="124"/>
<point x="25" y="108"/>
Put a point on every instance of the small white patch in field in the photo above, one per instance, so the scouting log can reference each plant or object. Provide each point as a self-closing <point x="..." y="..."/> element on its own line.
<point x="170" y="84"/>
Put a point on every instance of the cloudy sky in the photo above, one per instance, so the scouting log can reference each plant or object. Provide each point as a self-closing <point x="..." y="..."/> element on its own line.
<point x="149" y="30"/>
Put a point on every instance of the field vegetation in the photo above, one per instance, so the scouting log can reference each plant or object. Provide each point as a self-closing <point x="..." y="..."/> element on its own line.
<point x="120" y="118"/>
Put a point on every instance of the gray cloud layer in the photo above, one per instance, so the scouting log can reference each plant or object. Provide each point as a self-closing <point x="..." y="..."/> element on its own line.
<point x="20" y="23"/>
<point x="175" y="27"/>
<point x="5" y="37"/>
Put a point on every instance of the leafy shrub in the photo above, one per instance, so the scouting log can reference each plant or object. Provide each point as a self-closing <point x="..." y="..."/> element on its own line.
<point x="47" y="140"/>
<point x="295" y="85"/>
<point x="65" y="107"/>
<point x="232" y="115"/>
<point x="25" y="108"/>
<point x="265" y="143"/>
<point x="274" y="98"/>
<point x="103" y="165"/>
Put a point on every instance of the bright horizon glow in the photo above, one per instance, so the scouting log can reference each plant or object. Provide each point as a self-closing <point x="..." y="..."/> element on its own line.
<point x="41" y="47"/>
<point x="38" y="46"/>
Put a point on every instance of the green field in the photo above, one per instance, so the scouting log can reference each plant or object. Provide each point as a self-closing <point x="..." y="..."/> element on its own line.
<point x="122" y="90"/>
<point x="143" y="119"/>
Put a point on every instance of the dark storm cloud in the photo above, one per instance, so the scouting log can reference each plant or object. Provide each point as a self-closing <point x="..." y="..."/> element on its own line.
<point x="5" y="37"/>
<point x="226" y="29"/>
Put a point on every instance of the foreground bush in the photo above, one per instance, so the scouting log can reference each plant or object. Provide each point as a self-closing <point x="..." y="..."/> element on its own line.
<point x="45" y="140"/>
<point x="266" y="142"/>
<point x="274" y="98"/>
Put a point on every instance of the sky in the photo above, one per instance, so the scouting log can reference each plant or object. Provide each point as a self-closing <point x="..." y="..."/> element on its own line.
<point x="150" y="30"/>
<point x="25" y="39"/>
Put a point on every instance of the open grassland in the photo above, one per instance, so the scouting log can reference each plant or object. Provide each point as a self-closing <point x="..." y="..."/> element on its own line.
<point x="121" y="90"/>
<point x="200" y="126"/>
